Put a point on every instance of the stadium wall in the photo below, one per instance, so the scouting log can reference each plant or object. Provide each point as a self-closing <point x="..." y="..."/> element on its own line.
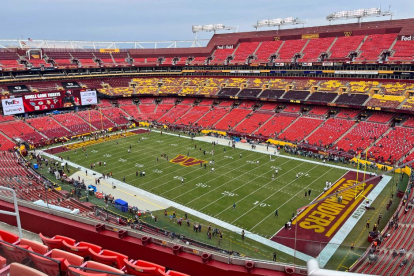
<point x="50" y="225"/>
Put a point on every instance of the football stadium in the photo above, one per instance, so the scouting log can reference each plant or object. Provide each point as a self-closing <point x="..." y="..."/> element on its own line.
<point x="283" y="149"/>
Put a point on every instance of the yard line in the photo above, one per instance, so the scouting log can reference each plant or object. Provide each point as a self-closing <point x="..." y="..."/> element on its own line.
<point x="212" y="179"/>
<point x="203" y="216"/>
<point x="208" y="172"/>
<point x="262" y="149"/>
<point x="255" y="190"/>
<point x="225" y="184"/>
<point x="186" y="174"/>
<point x="288" y="200"/>
<point x="148" y="157"/>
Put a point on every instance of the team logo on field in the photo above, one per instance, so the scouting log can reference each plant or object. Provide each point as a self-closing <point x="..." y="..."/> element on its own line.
<point x="186" y="161"/>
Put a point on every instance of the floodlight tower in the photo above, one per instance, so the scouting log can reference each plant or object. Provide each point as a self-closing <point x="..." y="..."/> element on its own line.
<point x="359" y="14"/>
<point x="211" y="28"/>
<point x="278" y="22"/>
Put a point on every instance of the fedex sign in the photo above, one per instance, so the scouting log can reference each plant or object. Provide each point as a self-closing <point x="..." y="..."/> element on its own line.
<point x="12" y="106"/>
<point x="407" y="38"/>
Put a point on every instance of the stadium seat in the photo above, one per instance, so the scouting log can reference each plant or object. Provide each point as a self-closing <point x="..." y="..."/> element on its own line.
<point x="16" y="255"/>
<point x="56" y="242"/>
<point x="289" y="49"/>
<point x="315" y="48"/>
<point x="81" y="248"/>
<point x="374" y="45"/>
<point x="51" y="266"/>
<point x="297" y="131"/>
<point x="17" y="269"/>
<point x="142" y="268"/>
<point x="265" y="50"/>
<point x="108" y="257"/>
<point x="343" y="46"/>
<point x="93" y="265"/>
<point x="8" y="237"/>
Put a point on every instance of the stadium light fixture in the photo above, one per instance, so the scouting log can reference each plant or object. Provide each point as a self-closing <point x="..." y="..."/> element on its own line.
<point x="212" y="28"/>
<point x="278" y="22"/>
<point x="359" y="14"/>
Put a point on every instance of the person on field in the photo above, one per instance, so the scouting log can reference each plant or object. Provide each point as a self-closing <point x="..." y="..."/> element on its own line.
<point x="234" y="206"/>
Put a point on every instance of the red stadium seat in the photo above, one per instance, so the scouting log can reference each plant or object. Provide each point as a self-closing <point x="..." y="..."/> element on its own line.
<point x="51" y="266"/>
<point x="81" y="248"/>
<point x="93" y="265"/>
<point x="173" y="273"/>
<point x="8" y="237"/>
<point x="20" y="270"/>
<point x="143" y="268"/>
<point x="76" y="272"/>
<point x="108" y="257"/>
<point x="16" y="255"/>
<point x="56" y="241"/>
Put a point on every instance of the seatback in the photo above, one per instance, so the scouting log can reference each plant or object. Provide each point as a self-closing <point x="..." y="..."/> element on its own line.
<point x="175" y="273"/>
<point x="8" y="237"/>
<point x="81" y="249"/>
<point x="149" y="264"/>
<point x="69" y="257"/>
<point x="14" y="253"/>
<point x="76" y="272"/>
<point x="99" y="266"/>
<point x="49" y="267"/>
<point x="56" y="241"/>
<point x="139" y="270"/>
<point x="107" y="260"/>
<point x="20" y="270"/>
<point x="35" y="246"/>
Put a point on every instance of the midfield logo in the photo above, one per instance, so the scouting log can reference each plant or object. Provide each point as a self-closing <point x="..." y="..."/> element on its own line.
<point x="186" y="161"/>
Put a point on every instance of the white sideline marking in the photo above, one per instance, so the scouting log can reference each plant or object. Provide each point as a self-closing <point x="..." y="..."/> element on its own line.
<point x="228" y="226"/>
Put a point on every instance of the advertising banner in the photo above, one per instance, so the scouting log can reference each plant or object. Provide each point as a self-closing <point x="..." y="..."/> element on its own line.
<point x="88" y="97"/>
<point x="12" y="106"/>
<point x="71" y="85"/>
<point x="18" y="89"/>
<point x="55" y="100"/>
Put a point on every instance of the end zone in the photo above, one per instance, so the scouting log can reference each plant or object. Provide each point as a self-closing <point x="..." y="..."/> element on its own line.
<point x="316" y="226"/>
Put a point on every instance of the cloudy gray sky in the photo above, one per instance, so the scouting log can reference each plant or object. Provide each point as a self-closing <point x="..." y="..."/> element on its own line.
<point x="148" y="20"/>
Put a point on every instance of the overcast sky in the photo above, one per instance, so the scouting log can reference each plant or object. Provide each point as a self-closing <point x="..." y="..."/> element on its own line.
<point x="149" y="20"/>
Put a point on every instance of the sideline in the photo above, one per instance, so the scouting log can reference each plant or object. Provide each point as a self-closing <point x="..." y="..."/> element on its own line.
<point x="328" y="251"/>
<point x="235" y="229"/>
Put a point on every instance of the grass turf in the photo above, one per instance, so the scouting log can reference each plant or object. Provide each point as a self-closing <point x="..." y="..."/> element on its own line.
<point x="235" y="179"/>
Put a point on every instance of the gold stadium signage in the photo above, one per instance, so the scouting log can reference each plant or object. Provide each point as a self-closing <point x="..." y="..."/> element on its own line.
<point x="186" y="161"/>
<point x="347" y="33"/>
<point x="310" y="36"/>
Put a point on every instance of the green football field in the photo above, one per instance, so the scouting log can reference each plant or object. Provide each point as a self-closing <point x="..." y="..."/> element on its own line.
<point x="237" y="178"/>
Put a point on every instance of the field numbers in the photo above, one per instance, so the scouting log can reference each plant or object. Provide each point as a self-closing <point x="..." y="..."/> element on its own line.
<point x="250" y="162"/>
<point x="226" y="193"/>
<point x="303" y="174"/>
<point x="138" y="165"/>
<point x="94" y="151"/>
<point x="261" y="204"/>
<point x="121" y="160"/>
<point x="201" y="185"/>
<point x="157" y="171"/>
<point x="276" y="168"/>
<point x="178" y="177"/>
<point x="173" y="145"/>
<point x="107" y="155"/>
<point x="228" y="157"/>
